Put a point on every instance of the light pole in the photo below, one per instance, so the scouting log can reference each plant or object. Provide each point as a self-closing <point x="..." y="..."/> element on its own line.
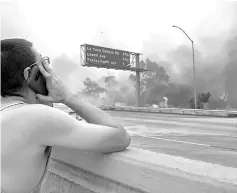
<point x="194" y="73"/>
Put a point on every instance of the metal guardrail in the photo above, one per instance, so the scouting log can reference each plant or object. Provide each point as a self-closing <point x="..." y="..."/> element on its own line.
<point x="198" y="112"/>
<point x="180" y="111"/>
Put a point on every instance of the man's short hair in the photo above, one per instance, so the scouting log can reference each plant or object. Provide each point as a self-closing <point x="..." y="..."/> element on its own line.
<point x="16" y="55"/>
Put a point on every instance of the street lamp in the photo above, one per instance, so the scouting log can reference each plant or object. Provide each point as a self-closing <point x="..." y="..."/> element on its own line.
<point x="194" y="76"/>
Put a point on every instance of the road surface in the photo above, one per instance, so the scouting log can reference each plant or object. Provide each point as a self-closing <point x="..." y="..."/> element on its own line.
<point x="207" y="139"/>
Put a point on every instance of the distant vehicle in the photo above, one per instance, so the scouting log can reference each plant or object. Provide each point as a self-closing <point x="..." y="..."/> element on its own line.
<point x="119" y="104"/>
<point x="155" y="106"/>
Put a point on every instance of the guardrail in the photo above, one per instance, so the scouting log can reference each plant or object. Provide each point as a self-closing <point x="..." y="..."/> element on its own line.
<point x="179" y="111"/>
<point x="197" y="112"/>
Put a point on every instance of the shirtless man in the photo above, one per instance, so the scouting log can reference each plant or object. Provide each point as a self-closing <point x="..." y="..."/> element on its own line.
<point x="29" y="127"/>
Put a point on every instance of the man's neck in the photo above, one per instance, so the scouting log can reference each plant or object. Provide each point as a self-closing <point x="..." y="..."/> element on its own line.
<point x="9" y="99"/>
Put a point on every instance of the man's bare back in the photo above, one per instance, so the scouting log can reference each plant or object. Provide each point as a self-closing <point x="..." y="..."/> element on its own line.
<point x="23" y="162"/>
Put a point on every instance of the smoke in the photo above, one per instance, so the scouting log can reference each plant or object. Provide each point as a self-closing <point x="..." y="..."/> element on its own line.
<point x="71" y="72"/>
<point x="64" y="67"/>
<point x="119" y="88"/>
<point x="215" y="55"/>
<point x="96" y="101"/>
<point x="230" y="71"/>
<point x="215" y="49"/>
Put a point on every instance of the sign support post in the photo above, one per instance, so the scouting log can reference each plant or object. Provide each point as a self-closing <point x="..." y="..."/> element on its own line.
<point x="101" y="57"/>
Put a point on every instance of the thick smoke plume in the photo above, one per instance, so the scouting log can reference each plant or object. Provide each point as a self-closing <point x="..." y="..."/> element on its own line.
<point x="215" y="58"/>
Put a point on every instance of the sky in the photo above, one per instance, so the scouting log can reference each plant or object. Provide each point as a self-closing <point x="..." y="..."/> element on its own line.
<point x="58" y="28"/>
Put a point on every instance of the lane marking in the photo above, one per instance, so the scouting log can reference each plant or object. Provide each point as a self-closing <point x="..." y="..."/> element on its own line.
<point x="177" y="141"/>
<point x="191" y="143"/>
<point x="177" y="132"/>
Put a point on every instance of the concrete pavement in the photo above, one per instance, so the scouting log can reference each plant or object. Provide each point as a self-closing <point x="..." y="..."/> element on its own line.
<point x="207" y="139"/>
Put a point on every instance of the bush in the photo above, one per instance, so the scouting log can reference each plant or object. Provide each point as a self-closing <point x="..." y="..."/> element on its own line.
<point x="201" y="99"/>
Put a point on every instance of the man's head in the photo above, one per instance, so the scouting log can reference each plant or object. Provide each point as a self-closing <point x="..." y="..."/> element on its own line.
<point x="16" y="56"/>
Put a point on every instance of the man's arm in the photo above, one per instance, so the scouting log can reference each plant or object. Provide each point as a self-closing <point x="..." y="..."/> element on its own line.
<point x="104" y="135"/>
<point x="94" y="115"/>
<point x="91" y="113"/>
<point x="53" y="127"/>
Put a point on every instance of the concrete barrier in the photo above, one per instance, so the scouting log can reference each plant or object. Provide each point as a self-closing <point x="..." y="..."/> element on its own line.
<point x="134" y="171"/>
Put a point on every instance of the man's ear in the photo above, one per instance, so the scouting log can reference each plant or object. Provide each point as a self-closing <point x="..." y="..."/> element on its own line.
<point x="26" y="73"/>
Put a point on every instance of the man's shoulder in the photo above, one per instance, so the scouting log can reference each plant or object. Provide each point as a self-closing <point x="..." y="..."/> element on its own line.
<point x="36" y="118"/>
<point x="34" y="109"/>
<point x="33" y="112"/>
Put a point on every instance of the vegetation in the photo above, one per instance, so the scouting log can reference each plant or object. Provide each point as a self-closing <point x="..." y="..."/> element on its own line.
<point x="155" y="85"/>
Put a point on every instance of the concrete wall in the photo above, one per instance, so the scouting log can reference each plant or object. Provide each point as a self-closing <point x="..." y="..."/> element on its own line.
<point x="134" y="171"/>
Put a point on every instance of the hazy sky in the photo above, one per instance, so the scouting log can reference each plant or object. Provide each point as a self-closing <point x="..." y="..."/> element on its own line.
<point x="57" y="26"/>
<point x="61" y="26"/>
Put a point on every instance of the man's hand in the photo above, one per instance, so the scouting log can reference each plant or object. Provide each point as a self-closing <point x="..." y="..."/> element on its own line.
<point x="58" y="92"/>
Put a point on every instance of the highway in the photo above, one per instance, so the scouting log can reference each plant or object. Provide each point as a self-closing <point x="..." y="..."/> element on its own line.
<point x="207" y="139"/>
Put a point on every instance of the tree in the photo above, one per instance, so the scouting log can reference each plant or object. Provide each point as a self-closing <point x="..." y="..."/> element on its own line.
<point x="201" y="99"/>
<point x="132" y="78"/>
<point x="156" y="74"/>
<point x="204" y="98"/>
<point x="92" y="87"/>
<point x="151" y="81"/>
<point x="161" y="75"/>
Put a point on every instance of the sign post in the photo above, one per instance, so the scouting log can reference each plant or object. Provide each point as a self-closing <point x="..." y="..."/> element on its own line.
<point x="101" y="57"/>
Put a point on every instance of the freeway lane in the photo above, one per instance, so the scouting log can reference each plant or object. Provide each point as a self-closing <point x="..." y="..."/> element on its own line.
<point x="207" y="139"/>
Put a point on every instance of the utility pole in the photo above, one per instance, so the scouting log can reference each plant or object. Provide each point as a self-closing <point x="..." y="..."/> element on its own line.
<point x="194" y="71"/>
